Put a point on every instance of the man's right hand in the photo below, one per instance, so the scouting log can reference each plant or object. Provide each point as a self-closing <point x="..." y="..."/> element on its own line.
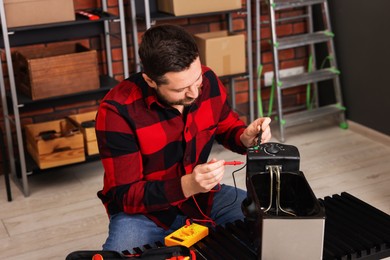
<point x="203" y="178"/>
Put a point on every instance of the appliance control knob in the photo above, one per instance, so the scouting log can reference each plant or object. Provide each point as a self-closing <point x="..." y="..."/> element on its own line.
<point x="272" y="149"/>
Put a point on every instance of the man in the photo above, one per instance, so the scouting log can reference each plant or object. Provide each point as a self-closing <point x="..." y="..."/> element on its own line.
<point x="155" y="131"/>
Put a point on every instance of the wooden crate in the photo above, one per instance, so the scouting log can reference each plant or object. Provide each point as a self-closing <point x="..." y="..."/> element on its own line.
<point x="55" y="70"/>
<point x="54" y="143"/>
<point x="86" y="124"/>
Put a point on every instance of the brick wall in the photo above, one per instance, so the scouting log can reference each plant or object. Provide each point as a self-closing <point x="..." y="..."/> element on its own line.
<point x="294" y="98"/>
<point x="289" y="58"/>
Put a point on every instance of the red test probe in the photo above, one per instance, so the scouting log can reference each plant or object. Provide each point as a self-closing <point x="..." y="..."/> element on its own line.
<point x="233" y="163"/>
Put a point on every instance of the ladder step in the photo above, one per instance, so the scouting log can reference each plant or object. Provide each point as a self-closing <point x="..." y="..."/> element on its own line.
<point x="303" y="39"/>
<point x="284" y="4"/>
<point x="311" y="115"/>
<point x="306" y="78"/>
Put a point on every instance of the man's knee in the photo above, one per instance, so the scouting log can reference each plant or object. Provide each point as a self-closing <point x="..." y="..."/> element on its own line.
<point x="129" y="231"/>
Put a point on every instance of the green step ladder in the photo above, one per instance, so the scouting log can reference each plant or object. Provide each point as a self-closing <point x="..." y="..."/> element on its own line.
<point x="315" y="73"/>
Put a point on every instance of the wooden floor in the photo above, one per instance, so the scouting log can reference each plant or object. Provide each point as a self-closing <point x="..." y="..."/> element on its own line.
<point x="63" y="214"/>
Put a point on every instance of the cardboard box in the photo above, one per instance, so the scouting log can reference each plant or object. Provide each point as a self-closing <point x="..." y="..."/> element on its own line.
<point x="86" y="123"/>
<point x="54" y="143"/>
<point x="33" y="12"/>
<point x="224" y="53"/>
<point x="187" y="7"/>
<point x="55" y="70"/>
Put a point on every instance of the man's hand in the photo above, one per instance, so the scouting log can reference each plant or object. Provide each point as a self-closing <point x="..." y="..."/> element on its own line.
<point x="203" y="178"/>
<point x="250" y="135"/>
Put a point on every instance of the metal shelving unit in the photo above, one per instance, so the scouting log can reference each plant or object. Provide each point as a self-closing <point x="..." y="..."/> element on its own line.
<point x="147" y="11"/>
<point x="14" y="103"/>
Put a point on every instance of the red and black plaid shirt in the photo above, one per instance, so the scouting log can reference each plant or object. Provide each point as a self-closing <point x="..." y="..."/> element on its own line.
<point x="146" y="147"/>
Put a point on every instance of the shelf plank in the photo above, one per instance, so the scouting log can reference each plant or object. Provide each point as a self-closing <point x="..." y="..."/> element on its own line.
<point x="33" y="168"/>
<point x="46" y="33"/>
<point x="26" y="103"/>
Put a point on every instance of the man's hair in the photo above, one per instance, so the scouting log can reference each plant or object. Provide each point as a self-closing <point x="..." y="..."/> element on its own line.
<point x="166" y="48"/>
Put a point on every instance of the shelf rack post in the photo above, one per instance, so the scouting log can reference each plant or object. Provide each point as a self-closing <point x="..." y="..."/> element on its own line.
<point x="6" y="122"/>
<point x="123" y="39"/>
<point x="135" y="36"/>
<point x="15" y="106"/>
<point x="250" y="59"/>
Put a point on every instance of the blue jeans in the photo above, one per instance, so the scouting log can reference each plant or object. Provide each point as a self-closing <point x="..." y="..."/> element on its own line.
<point x="129" y="231"/>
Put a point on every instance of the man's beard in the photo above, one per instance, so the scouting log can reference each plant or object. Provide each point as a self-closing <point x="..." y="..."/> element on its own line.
<point x="182" y="102"/>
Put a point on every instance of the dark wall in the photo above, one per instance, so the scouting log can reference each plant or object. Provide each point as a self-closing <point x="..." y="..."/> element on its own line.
<point x="362" y="40"/>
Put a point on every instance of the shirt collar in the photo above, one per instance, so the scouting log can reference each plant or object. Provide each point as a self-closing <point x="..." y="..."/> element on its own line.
<point x="148" y="93"/>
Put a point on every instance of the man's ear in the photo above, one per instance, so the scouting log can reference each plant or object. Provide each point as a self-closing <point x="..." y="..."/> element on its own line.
<point x="150" y="82"/>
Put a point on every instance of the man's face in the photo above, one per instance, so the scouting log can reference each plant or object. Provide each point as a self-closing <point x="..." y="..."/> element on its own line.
<point x="183" y="87"/>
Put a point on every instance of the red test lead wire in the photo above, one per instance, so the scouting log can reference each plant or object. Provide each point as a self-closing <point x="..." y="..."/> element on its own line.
<point x="233" y="163"/>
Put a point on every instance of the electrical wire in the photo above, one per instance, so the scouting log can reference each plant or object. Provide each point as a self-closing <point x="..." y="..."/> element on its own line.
<point x="236" y="195"/>
<point x="206" y="219"/>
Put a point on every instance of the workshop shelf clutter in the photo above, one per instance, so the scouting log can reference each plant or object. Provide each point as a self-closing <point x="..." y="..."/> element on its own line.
<point x="58" y="41"/>
<point x="54" y="143"/>
<point x="86" y="123"/>
<point x="62" y="142"/>
<point x="54" y="71"/>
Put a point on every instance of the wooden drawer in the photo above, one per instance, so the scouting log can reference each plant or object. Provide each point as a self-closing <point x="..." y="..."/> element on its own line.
<point x="86" y="124"/>
<point x="54" y="143"/>
<point x="55" y="70"/>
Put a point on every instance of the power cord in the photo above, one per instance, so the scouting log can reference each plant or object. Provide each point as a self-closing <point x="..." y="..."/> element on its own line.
<point x="236" y="195"/>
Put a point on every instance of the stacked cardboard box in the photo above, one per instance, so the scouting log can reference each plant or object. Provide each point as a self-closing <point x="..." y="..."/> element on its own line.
<point x="34" y="12"/>
<point x="188" y="7"/>
<point x="223" y="52"/>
